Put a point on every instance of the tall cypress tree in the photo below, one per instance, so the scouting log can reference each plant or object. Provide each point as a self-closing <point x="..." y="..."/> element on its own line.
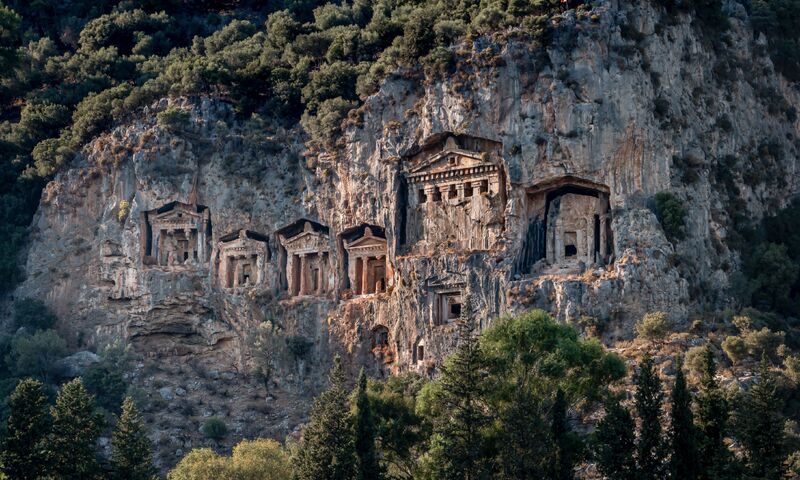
<point x="327" y="450"/>
<point x="759" y="423"/>
<point x="682" y="433"/>
<point x="615" y="444"/>
<point x="460" y="432"/>
<point x="564" y="443"/>
<point x="72" y="444"/>
<point x="131" y="456"/>
<point x="364" y="425"/>
<point x="715" y="460"/>
<point x="649" y="449"/>
<point x="24" y="454"/>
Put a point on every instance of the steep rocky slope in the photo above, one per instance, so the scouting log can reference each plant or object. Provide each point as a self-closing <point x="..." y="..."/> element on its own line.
<point x="621" y="106"/>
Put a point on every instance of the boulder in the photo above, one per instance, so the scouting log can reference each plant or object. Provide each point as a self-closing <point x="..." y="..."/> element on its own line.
<point x="76" y="364"/>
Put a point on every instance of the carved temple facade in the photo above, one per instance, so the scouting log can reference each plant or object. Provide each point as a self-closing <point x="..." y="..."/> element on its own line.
<point x="241" y="259"/>
<point x="177" y="234"/>
<point x="455" y="195"/>
<point x="366" y="260"/>
<point x="306" y="259"/>
<point x="569" y="225"/>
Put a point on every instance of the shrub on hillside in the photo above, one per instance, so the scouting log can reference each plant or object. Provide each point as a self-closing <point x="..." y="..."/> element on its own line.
<point x="173" y="119"/>
<point x="693" y="359"/>
<point x="671" y="214"/>
<point x="35" y="355"/>
<point x="653" y="327"/>
<point x="735" y="348"/>
<point x="215" y="429"/>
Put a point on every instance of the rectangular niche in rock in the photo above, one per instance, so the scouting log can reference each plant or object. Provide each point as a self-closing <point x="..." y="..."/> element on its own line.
<point x="241" y="257"/>
<point x="455" y="195"/>
<point x="365" y="247"/>
<point x="449" y="308"/>
<point x="305" y="258"/>
<point x="569" y="226"/>
<point x="177" y="234"/>
<point x="445" y="295"/>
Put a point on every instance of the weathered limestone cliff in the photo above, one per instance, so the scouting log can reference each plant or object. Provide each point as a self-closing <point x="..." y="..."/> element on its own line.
<point x="523" y="180"/>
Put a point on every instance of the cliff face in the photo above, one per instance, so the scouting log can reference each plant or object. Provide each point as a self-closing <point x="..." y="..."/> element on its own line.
<point x="522" y="180"/>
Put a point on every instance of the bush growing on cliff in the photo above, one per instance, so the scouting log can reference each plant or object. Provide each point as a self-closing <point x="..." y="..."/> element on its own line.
<point x="671" y="213"/>
<point x="172" y="119"/>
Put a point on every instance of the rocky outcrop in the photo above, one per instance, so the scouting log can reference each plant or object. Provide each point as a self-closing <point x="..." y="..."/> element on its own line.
<point x="523" y="180"/>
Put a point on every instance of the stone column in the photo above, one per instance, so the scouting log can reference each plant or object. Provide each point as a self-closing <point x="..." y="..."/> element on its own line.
<point x="476" y="188"/>
<point x="321" y="273"/>
<point x="303" y="276"/>
<point x="429" y="189"/>
<point x="356" y="269"/>
<point x="381" y="259"/>
<point x="155" y="247"/>
<point x="559" y="241"/>
<point x="590" y="253"/>
<point x="258" y="261"/>
<point x="237" y="271"/>
<point x="187" y="232"/>
<point x="603" y="247"/>
<point x="290" y="259"/>
<point x="460" y="190"/>
<point x="365" y="287"/>
<point x="201" y="243"/>
<point x="444" y="191"/>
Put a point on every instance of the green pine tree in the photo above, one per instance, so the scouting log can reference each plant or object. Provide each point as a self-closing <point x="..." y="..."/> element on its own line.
<point x="72" y="444"/>
<point x="682" y="433"/>
<point x="364" y="425"/>
<point x="615" y="444"/>
<point x="131" y="457"/>
<point x="460" y="451"/>
<point x="759" y="423"/>
<point x="24" y="454"/>
<point x="327" y="450"/>
<point x="649" y="449"/>
<point x="711" y="418"/>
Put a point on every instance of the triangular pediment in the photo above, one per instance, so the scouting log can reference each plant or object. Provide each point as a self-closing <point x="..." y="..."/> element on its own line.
<point x="365" y="241"/>
<point x="243" y="243"/>
<point x="305" y="239"/>
<point x="451" y="159"/>
<point x="179" y="213"/>
<point x="301" y="237"/>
